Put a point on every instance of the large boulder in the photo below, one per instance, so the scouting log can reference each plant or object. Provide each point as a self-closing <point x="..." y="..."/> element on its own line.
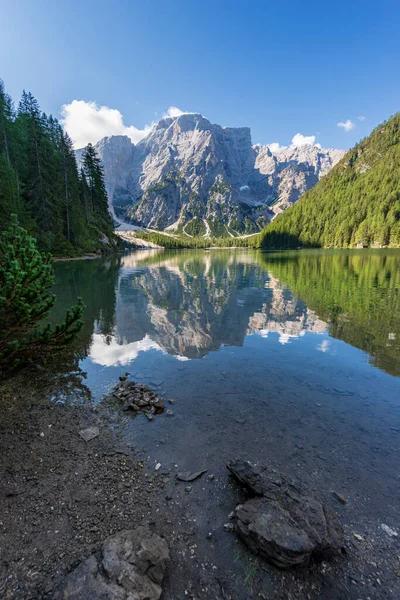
<point x="130" y="566"/>
<point x="283" y="522"/>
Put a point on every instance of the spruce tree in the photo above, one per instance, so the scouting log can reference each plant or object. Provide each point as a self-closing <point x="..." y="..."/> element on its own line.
<point x="94" y="174"/>
<point x="26" y="278"/>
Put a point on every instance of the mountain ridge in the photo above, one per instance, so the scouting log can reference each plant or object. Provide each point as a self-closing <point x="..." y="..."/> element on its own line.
<point x="200" y="179"/>
<point x="356" y="204"/>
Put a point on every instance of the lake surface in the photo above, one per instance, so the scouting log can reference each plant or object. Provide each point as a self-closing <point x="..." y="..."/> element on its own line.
<point x="292" y="358"/>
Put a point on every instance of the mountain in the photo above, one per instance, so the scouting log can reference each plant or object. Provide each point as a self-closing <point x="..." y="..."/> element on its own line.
<point x="356" y="204"/>
<point x="293" y="170"/>
<point x="197" y="178"/>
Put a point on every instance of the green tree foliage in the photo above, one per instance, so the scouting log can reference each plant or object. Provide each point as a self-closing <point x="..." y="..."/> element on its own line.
<point x="356" y="293"/>
<point x="357" y="203"/>
<point x="39" y="181"/>
<point x="195" y="227"/>
<point x="93" y="171"/>
<point x="26" y="278"/>
<point x="185" y="242"/>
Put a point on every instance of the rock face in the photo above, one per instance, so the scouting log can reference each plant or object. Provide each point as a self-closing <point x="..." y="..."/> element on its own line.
<point x="191" y="176"/>
<point x="283" y="523"/>
<point x="130" y="566"/>
<point x="293" y="170"/>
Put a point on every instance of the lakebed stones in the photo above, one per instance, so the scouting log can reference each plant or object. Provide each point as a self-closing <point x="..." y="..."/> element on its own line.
<point x="283" y="523"/>
<point x="139" y="398"/>
<point x="130" y="565"/>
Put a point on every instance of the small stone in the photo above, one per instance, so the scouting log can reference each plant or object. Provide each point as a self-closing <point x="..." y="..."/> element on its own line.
<point x="231" y="515"/>
<point x="339" y="497"/>
<point x="209" y="536"/>
<point x="123" y="377"/>
<point x="149" y="416"/>
<point x="42" y="434"/>
<point x="89" y="433"/>
<point x="171" y="401"/>
<point x="358" y="537"/>
<point x="389" y="530"/>
<point x="158" y="466"/>
<point x="228" y="526"/>
<point x="188" y="489"/>
<point x="189" y="476"/>
<point x="170" y="412"/>
<point x="211" y="476"/>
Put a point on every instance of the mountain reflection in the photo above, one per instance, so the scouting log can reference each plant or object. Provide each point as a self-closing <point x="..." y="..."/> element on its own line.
<point x="190" y="304"/>
<point x="187" y="304"/>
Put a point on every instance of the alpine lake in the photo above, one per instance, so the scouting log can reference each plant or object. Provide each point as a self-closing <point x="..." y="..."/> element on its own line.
<point x="288" y="358"/>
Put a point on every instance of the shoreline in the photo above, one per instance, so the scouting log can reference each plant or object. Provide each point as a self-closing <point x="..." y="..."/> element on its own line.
<point x="63" y="496"/>
<point x="83" y="257"/>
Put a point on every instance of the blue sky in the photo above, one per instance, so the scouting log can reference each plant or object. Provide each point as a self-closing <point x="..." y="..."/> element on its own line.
<point x="280" y="68"/>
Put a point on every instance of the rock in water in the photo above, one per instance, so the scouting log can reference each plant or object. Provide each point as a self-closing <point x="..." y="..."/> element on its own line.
<point x="130" y="566"/>
<point x="283" y="523"/>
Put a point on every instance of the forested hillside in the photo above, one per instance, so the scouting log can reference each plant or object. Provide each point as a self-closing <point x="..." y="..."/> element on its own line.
<point x="357" y="203"/>
<point x="65" y="210"/>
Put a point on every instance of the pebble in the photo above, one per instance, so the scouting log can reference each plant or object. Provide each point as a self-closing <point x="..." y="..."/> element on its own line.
<point x="170" y="412"/>
<point x="389" y="530"/>
<point x="158" y="466"/>
<point x="339" y="497"/>
<point x="89" y="433"/>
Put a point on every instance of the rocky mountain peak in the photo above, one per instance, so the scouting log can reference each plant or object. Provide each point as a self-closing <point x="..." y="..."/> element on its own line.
<point x="198" y="178"/>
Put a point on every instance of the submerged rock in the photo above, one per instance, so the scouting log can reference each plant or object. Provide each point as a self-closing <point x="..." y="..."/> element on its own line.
<point x="283" y="523"/>
<point x="130" y="565"/>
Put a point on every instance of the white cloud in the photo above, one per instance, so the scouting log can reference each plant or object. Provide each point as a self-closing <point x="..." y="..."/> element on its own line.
<point x="174" y="111"/>
<point x="297" y="140"/>
<point x="275" y="146"/>
<point x="346" y="125"/>
<point x="302" y="140"/>
<point x="87" y="122"/>
<point x="323" y="346"/>
<point x="361" y="118"/>
<point x="113" y="353"/>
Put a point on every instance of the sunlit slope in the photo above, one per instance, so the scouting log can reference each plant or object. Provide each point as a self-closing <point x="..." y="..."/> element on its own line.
<point x="357" y="203"/>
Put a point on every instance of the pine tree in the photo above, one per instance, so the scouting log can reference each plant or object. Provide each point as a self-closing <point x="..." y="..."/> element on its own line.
<point x="9" y="184"/>
<point x="65" y="211"/>
<point x="94" y="174"/>
<point x="26" y="278"/>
